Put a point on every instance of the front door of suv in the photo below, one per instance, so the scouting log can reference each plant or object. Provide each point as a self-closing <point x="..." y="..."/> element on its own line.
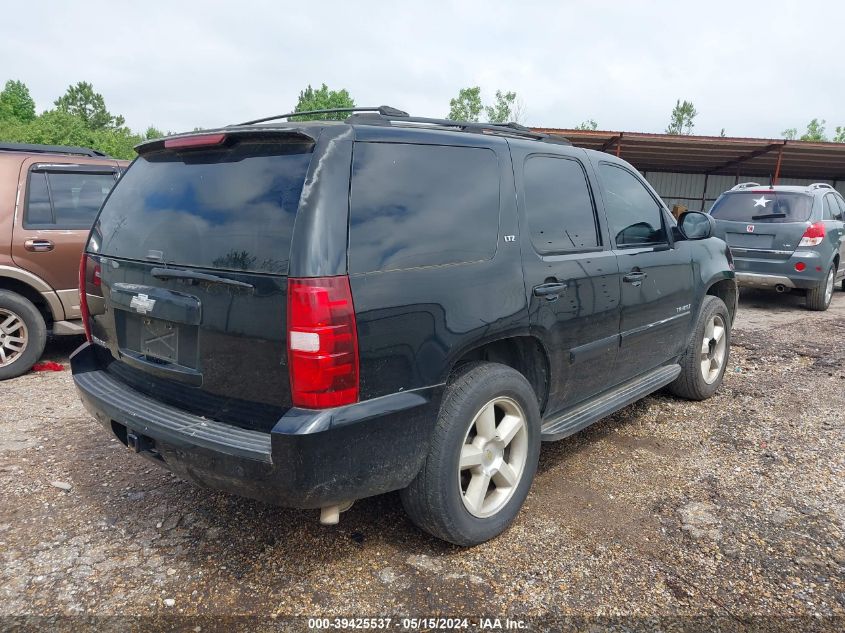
<point x="657" y="280"/>
<point x="571" y="276"/>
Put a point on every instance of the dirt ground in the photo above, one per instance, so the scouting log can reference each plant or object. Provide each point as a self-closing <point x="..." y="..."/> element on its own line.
<point x="665" y="514"/>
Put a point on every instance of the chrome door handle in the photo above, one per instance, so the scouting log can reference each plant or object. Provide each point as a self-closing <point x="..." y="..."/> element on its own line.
<point x="635" y="276"/>
<point x="550" y="291"/>
<point x="39" y="246"/>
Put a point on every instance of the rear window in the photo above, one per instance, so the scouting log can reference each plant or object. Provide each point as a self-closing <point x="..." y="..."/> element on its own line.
<point x="422" y="205"/>
<point x="224" y="208"/>
<point x="763" y="206"/>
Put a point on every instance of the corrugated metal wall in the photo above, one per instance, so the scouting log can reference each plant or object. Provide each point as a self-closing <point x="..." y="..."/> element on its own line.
<point x="687" y="189"/>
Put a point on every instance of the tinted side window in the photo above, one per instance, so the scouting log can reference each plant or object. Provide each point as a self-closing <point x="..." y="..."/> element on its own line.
<point x="65" y="200"/>
<point x="77" y="197"/>
<point x="634" y="217"/>
<point x="558" y="204"/>
<point x="841" y="203"/>
<point x="421" y="205"/>
<point x="831" y="208"/>
<point x="38" y="209"/>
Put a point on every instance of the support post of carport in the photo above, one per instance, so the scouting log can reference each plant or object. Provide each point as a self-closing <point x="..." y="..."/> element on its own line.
<point x="704" y="193"/>
<point x="777" y="166"/>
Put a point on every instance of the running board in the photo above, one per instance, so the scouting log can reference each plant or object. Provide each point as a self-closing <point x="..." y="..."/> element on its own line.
<point x="598" y="407"/>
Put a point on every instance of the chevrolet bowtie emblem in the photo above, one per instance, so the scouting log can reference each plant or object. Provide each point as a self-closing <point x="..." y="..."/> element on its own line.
<point x="142" y="304"/>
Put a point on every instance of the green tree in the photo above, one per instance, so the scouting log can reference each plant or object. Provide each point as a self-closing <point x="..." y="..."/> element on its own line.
<point x="506" y="108"/>
<point x="16" y="102"/>
<point x="681" y="121"/>
<point x="840" y="134"/>
<point x="722" y="133"/>
<point x="323" y="99"/>
<point x="467" y="105"/>
<point x="815" y="131"/>
<point x="81" y="101"/>
<point x="153" y="132"/>
<point x="790" y="133"/>
<point x="589" y="124"/>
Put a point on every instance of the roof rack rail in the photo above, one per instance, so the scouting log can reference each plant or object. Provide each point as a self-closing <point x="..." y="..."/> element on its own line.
<point x="745" y="185"/>
<point x="383" y="110"/>
<point x="820" y="185"/>
<point x="505" y="129"/>
<point x="52" y="149"/>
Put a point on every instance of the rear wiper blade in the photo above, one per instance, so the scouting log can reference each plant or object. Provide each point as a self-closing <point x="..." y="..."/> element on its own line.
<point x="768" y="215"/>
<point x="174" y="273"/>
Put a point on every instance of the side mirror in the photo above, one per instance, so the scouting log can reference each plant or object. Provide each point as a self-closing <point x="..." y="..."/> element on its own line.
<point x="695" y="225"/>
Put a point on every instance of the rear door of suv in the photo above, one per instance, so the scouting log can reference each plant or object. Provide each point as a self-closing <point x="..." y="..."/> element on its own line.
<point x="190" y="255"/>
<point x="58" y="199"/>
<point x="571" y="273"/>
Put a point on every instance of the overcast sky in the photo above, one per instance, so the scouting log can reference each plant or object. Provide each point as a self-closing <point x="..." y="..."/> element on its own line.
<point x="751" y="68"/>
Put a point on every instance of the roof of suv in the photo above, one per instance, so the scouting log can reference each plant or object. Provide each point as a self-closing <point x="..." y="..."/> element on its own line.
<point x="31" y="148"/>
<point x="817" y="188"/>
<point x="372" y="118"/>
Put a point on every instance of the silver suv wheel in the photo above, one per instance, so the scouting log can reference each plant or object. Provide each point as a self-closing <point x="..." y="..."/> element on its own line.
<point x="713" y="349"/>
<point x="14" y="337"/>
<point x="493" y="457"/>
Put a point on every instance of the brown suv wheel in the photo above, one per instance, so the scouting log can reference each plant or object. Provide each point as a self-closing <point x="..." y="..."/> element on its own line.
<point x="23" y="334"/>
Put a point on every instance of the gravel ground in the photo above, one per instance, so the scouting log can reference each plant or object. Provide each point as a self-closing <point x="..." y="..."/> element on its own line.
<point x="731" y="509"/>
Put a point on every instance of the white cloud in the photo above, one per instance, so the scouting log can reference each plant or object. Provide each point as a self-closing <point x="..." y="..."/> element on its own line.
<point x="752" y="68"/>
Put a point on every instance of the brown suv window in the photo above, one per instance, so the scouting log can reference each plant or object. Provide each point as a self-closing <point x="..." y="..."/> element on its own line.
<point x="65" y="199"/>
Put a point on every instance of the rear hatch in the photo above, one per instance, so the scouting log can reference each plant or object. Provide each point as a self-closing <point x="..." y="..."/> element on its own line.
<point x="762" y="223"/>
<point x="190" y="254"/>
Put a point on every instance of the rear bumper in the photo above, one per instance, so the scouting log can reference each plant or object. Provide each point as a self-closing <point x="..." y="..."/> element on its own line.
<point x="757" y="280"/>
<point x="310" y="458"/>
<point x="754" y="272"/>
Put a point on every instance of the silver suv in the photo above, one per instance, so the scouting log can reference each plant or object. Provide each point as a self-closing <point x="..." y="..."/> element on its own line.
<point x="785" y="238"/>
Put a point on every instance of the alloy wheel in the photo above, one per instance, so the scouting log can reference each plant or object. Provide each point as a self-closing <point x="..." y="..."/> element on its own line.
<point x="13" y="337"/>
<point x="493" y="457"/>
<point x="828" y="288"/>
<point x="713" y="349"/>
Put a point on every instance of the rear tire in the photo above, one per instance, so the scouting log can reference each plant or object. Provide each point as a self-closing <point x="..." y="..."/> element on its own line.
<point x="482" y="458"/>
<point x="819" y="297"/>
<point x="23" y="334"/>
<point x="707" y="355"/>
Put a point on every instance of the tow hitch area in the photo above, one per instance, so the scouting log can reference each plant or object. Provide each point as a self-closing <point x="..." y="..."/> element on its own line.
<point x="139" y="443"/>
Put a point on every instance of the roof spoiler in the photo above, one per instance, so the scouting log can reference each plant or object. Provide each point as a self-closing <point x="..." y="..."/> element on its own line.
<point x="745" y="185"/>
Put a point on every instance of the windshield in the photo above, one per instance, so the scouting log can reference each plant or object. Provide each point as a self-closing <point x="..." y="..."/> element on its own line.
<point x="224" y="208"/>
<point x="763" y="206"/>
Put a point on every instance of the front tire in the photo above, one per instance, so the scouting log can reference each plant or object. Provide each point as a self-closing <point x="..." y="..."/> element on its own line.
<point x="482" y="458"/>
<point x="819" y="298"/>
<point x="23" y="334"/>
<point x="704" y="362"/>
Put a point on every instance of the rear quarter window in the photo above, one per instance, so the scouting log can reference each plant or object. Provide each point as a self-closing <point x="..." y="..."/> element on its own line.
<point x="421" y="205"/>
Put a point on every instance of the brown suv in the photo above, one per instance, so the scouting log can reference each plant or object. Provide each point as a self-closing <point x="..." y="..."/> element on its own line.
<point x="49" y="196"/>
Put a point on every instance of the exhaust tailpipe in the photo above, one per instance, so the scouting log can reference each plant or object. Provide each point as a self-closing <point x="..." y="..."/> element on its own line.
<point x="780" y="288"/>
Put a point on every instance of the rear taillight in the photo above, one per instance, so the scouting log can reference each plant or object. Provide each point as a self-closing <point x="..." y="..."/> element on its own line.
<point x="83" y="295"/>
<point x="322" y="342"/>
<point x="813" y="236"/>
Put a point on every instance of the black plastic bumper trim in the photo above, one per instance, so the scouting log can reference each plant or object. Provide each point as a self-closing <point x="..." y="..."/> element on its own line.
<point x="148" y="416"/>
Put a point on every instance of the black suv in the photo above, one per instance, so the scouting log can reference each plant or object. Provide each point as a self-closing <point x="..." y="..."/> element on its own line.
<point x="309" y="313"/>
